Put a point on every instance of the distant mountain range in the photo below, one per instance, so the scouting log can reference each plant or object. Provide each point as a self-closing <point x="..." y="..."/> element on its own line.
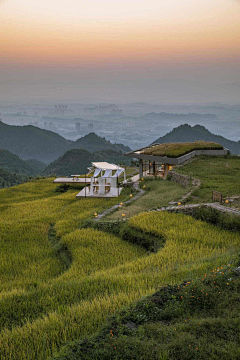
<point x="187" y="133"/>
<point x="77" y="161"/>
<point x="34" y="144"/>
<point x="30" y="142"/>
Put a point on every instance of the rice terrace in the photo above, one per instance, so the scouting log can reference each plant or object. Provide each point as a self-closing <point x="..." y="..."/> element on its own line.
<point x="137" y="284"/>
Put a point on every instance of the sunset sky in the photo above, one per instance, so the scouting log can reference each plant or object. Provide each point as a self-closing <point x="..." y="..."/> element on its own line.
<point x="119" y="50"/>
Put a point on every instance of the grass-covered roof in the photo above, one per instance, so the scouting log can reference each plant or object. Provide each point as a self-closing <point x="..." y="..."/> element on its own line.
<point x="178" y="149"/>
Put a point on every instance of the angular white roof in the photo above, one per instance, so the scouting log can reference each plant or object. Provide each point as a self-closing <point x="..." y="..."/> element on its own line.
<point x="105" y="166"/>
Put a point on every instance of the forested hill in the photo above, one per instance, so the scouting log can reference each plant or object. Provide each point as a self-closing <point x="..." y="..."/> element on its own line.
<point x="14" y="164"/>
<point x="30" y="142"/>
<point x="93" y="142"/>
<point x="77" y="161"/>
<point x="187" y="133"/>
<point x="7" y="178"/>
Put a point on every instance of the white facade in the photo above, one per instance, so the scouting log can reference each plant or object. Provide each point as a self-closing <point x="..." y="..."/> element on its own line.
<point x="104" y="182"/>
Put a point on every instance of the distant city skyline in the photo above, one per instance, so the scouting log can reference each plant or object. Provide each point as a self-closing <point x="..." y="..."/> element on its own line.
<point x="114" y="50"/>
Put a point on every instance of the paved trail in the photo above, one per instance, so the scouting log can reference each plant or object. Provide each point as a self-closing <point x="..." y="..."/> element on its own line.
<point x="216" y="206"/>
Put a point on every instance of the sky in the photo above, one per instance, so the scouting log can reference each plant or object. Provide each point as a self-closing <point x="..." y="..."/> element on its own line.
<point x="120" y="50"/>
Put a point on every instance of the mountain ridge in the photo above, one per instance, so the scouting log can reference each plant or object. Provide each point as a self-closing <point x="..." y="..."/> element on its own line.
<point x="30" y="142"/>
<point x="78" y="160"/>
<point x="92" y="142"/>
<point x="188" y="133"/>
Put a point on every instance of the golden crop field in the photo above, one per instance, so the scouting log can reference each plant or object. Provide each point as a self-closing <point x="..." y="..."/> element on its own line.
<point x="45" y="303"/>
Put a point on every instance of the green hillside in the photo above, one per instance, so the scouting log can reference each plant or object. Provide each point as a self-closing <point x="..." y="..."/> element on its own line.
<point x="29" y="142"/>
<point x="77" y="161"/>
<point x="115" y="157"/>
<point x="38" y="165"/>
<point x="14" y="164"/>
<point x="8" y="178"/>
<point x="93" y="142"/>
<point x="187" y="133"/>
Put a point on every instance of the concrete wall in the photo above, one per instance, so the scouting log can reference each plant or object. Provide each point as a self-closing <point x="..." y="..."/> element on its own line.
<point x="186" y="157"/>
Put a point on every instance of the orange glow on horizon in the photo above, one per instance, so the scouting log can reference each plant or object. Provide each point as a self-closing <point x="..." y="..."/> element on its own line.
<point x="131" y="43"/>
<point x="129" y="48"/>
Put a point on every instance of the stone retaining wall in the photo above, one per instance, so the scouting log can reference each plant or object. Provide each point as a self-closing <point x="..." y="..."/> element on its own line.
<point x="181" y="179"/>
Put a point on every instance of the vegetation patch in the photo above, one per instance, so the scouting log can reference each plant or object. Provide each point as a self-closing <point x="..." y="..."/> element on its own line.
<point x="62" y="188"/>
<point x="216" y="174"/>
<point x="127" y="233"/>
<point x="179" y="149"/>
<point x="8" y="178"/>
<point x="61" y="250"/>
<point x="196" y="319"/>
<point x="158" y="193"/>
<point x="213" y="216"/>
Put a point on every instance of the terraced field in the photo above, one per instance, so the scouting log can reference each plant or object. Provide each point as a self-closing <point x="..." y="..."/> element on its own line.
<point x="59" y="280"/>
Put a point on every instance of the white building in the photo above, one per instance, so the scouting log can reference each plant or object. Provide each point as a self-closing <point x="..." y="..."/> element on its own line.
<point x="104" y="182"/>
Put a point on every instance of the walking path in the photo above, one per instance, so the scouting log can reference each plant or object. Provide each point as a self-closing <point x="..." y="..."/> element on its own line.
<point x="135" y="179"/>
<point x="216" y="206"/>
<point x="140" y="192"/>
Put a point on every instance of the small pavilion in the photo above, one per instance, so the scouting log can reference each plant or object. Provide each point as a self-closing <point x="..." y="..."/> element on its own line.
<point x="104" y="181"/>
<point x="158" y="159"/>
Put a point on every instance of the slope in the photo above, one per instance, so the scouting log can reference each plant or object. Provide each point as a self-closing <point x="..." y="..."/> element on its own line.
<point x="14" y="164"/>
<point x="187" y="133"/>
<point x="8" y="179"/>
<point x="30" y="142"/>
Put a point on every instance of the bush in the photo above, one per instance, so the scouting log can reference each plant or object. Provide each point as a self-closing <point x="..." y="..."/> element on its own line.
<point x="213" y="216"/>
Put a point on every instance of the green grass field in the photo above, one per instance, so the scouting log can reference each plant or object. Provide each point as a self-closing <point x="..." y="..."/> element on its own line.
<point x="158" y="193"/>
<point x="216" y="174"/>
<point x="185" y="321"/>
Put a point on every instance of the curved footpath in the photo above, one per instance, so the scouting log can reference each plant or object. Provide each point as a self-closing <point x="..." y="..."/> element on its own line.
<point x="216" y="206"/>
<point x="115" y="207"/>
<point x="196" y="184"/>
